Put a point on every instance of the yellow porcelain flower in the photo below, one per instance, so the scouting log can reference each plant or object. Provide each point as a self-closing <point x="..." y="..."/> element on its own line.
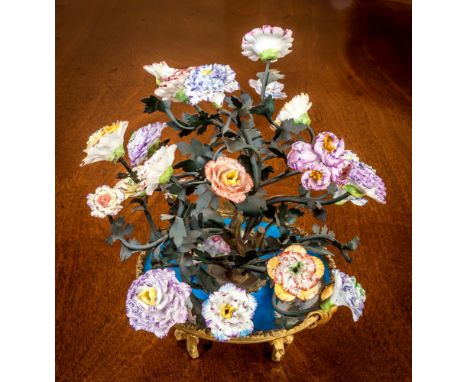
<point x="296" y="274"/>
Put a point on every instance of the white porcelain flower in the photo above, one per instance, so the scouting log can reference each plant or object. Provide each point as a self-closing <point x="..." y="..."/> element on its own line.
<point x="267" y="43"/>
<point x="275" y="88"/>
<point x="105" y="201"/>
<point x="296" y="109"/>
<point x="228" y="312"/>
<point x="106" y="144"/>
<point x="161" y="71"/>
<point x="129" y="187"/>
<point x="157" y="169"/>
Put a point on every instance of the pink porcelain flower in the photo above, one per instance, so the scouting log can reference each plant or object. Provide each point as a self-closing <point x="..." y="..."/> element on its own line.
<point x="302" y="156"/>
<point x="330" y="148"/>
<point x="216" y="246"/>
<point x="317" y="178"/>
<point x="229" y="179"/>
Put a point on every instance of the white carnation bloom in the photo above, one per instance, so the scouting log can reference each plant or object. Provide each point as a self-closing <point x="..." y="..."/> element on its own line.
<point x="275" y="88"/>
<point x="296" y="109"/>
<point x="105" y="201"/>
<point x="267" y="43"/>
<point x="106" y="144"/>
<point x="157" y="169"/>
<point x="228" y="312"/>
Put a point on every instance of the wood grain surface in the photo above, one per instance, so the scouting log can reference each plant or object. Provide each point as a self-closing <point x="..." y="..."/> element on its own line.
<point x="353" y="59"/>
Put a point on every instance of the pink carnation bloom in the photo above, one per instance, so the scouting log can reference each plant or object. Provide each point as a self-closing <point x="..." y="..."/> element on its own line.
<point x="317" y="178"/>
<point x="302" y="156"/>
<point x="329" y="148"/>
<point x="229" y="179"/>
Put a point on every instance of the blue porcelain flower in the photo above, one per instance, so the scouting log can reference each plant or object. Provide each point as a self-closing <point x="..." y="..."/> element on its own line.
<point x="210" y="83"/>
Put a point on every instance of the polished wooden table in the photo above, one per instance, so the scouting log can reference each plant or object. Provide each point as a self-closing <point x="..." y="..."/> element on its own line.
<point x="353" y="59"/>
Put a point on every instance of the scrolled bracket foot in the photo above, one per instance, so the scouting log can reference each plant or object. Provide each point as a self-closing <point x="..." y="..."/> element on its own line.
<point x="191" y="342"/>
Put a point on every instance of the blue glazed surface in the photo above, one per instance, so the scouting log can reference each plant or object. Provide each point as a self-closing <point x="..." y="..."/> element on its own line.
<point x="263" y="317"/>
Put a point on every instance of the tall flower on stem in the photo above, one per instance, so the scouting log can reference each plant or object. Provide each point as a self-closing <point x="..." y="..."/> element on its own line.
<point x="267" y="43"/>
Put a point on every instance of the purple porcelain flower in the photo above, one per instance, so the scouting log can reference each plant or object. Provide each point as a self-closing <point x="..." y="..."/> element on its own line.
<point x="143" y="141"/>
<point x="156" y="301"/>
<point x="302" y="156"/>
<point x="348" y="292"/>
<point x="340" y="172"/>
<point x="364" y="179"/>
<point x="329" y="148"/>
<point x="318" y="177"/>
<point x="216" y="246"/>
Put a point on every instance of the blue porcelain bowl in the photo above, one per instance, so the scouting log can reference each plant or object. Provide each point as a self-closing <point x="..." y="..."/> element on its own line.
<point x="264" y="314"/>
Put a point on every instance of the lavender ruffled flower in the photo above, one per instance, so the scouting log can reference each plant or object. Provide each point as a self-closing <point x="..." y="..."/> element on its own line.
<point x="347" y="292"/>
<point x="318" y="177"/>
<point x="330" y="148"/>
<point x="216" y="246"/>
<point x="364" y="179"/>
<point x="143" y="141"/>
<point x="156" y="301"/>
<point x="210" y="83"/>
<point x="302" y="156"/>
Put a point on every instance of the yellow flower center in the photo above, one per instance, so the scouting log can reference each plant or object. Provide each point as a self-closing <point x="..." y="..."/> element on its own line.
<point x="316" y="175"/>
<point x="328" y="143"/>
<point x="206" y="72"/>
<point x="227" y="311"/>
<point x="110" y="128"/>
<point x="230" y="178"/>
<point x="148" y="296"/>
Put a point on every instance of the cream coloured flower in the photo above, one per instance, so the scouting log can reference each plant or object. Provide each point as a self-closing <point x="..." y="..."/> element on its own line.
<point x="296" y="109"/>
<point x="129" y="187"/>
<point x="105" y="201"/>
<point x="157" y="169"/>
<point x="161" y="71"/>
<point x="106" y="144"/>
<point x="267" y="43"/>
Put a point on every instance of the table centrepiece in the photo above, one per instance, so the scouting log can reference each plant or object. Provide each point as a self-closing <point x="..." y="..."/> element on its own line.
<point x="225" y="260"/>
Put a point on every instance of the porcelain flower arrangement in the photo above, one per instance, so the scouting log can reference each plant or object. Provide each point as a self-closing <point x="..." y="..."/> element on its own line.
<point x="224" y="255"/>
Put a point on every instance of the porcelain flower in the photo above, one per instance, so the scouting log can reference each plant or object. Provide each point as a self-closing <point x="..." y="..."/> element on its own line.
<point x="161" y="71"/>
<point x="363" y="181"/>
<point x="130" y="188"/>
<point x="295" y="273"/>
<point x="330" y="148"/>
<point x="348" y="292"/>
<point x="143" y="142"/>
<point x="157" y="169"/>
<point x="274" y="88"/>
<point x="106" y="144"/>
<point x="229" y="179"/>
<point x="216" y="246"/>
<point x="228" y="312"/>
<point x="267" y="43"/>
<point x="296" y="109"/>
<point x="172" y="88"/>
<point x="156" y="301"/>
<point x="105" y="201"/>
<point x="210" y="83"/>
<point x="302" y="156"/>
<point x="318" y="177"/>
